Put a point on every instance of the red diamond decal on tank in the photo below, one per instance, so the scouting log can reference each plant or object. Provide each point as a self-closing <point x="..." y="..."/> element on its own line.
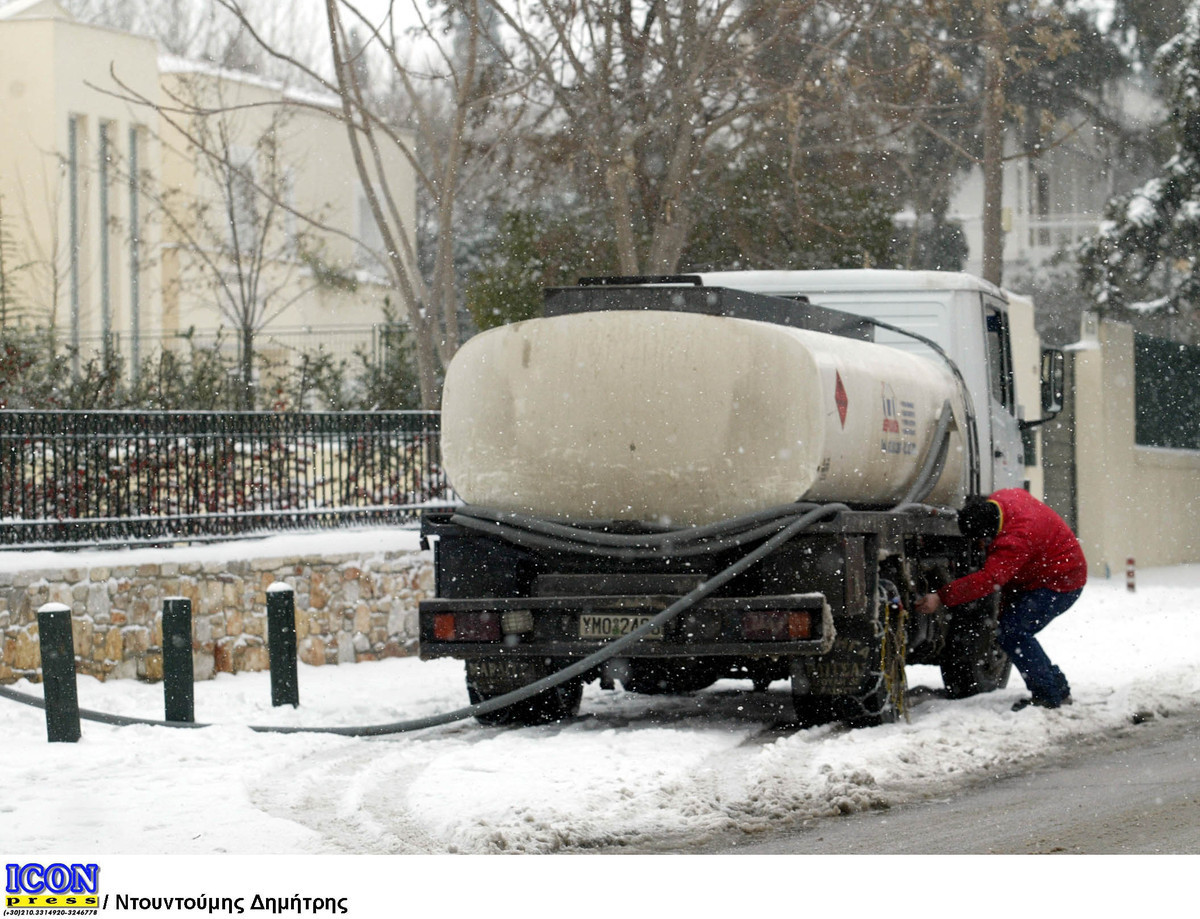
<point x="839" y="396"/>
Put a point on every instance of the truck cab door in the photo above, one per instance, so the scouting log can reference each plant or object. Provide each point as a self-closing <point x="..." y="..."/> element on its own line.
<point x="1007" y="454"/>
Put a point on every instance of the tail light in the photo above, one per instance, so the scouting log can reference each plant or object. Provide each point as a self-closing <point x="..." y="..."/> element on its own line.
<point x="466" y="626"/>
<point x="776" y="625"/>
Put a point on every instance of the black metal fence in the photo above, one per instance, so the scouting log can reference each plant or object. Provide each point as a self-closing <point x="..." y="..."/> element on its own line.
<point x="86" y="478"/>
<point x="1167" y="393"/>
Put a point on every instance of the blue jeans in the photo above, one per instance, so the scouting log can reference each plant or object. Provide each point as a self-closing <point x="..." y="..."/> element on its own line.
<point x="1024" y="616"/>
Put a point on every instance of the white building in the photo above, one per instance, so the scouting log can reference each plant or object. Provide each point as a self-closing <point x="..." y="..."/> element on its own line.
<point x="123" y="230"/>
<point x="1054" y="201"/>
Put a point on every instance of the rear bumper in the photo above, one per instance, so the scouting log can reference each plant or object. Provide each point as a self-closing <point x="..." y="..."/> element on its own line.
<point x="555" y="626"/>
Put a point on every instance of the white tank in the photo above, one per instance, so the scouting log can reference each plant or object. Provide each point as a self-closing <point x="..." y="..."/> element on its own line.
<point x="686" y="419"/>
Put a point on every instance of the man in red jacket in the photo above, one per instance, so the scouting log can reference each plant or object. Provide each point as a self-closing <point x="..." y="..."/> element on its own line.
<point x="1038" y="564"/>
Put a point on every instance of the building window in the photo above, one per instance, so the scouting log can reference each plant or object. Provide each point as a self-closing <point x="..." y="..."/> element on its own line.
<point x="291" y="229"/>
<point x="103" y="170"/>
<point x="369" y="254"/>
<point x="241" y="199"/>
<point x="75" y="127"/>
<point x="135" y="253"/>
<point x="1042" y="205"/>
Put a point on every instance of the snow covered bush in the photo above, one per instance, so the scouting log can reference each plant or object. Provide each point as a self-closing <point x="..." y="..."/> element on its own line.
<point x="1145" y="256"/>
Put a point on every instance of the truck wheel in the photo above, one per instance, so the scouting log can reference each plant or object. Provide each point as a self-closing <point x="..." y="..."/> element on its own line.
<point x="867" y="688"/>
<point x="870" y="710"/>
<point x="884" y="698"/>
<point x="812" y="711"/>
<point x="880" y="697"/>
<point x="972" y="661"/>
<point x="554" y="704"/>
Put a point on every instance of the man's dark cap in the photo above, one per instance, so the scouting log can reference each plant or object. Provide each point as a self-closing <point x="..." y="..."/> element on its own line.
<point x="979" y="518"/>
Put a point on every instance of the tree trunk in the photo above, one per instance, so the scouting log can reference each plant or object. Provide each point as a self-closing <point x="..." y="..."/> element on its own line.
<point x="246" y="396"/>
<point x="616" y="179"/>
<point x="993" y="146"/>
<point x="427" y="362"/>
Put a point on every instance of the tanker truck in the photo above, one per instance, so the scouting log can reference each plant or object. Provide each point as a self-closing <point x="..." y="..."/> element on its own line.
<point x="671" y="481"/>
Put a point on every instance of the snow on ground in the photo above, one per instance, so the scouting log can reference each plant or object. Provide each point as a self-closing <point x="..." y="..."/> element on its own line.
<point x="362" y="539"/>
<point x="631" y="771"/>
<point x="630" y="774"/>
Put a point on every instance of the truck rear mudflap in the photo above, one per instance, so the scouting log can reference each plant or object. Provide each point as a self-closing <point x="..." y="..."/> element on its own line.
<point x="573" y="627"/>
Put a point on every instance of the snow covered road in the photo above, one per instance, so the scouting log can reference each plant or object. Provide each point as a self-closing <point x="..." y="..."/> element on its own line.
<point x="632" y="771"/>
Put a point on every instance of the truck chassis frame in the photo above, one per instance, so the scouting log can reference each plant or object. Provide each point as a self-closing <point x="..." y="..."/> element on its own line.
<point x="827" y="610"/>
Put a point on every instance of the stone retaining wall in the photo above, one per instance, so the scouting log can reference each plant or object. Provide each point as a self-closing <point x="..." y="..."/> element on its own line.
<point x="348" y="608"/>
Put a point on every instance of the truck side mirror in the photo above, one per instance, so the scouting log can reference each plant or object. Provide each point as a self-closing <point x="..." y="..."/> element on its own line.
<point x="1053" y="388"/>
<point x="1053" y="382"/>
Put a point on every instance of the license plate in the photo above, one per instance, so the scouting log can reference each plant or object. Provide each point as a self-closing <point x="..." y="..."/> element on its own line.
<point x="613" y="625"/>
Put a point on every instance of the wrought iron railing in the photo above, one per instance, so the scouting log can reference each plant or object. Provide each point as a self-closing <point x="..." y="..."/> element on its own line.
<point x="1166" y="393"/>
<point x="87" y="478"/>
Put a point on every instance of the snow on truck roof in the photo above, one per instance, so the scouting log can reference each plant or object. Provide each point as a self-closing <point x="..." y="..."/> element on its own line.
<point x="846" y="280"/>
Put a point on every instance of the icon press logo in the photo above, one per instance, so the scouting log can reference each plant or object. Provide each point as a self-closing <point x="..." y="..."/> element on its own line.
<point x="58" y="886"/>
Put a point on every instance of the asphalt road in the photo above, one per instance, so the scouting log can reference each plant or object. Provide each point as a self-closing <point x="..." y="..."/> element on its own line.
<point x="1136" y="791"/>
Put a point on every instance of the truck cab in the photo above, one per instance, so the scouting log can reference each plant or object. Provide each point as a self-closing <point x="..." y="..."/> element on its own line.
<point x="966" y="316"/>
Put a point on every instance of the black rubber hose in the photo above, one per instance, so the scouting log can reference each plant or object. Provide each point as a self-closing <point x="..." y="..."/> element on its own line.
<point x="672" y="537"/>
<point x="935" y="460"/>
<point x="88" y="714"/>
<point x="519" y="536"/>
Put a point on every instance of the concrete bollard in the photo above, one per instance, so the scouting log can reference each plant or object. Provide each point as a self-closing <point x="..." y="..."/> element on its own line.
<point x="281" y="645"/>
<point x="179" y="685"/>
<point x="58" y="673"/>
<point x="1130" y="575"/>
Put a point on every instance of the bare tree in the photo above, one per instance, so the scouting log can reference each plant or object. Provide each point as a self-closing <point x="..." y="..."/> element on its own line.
<point x="649" y="100"/>
<point x="42" y="259"/>
<point x="995" y="65"/>
<point x="644" y="103"/>
<point x="992" y="124"/>
<point x="234" y="230"/>
<point x="450" y="119"/>
<point x="8" y="271"/>
<point x="205" y="32"/>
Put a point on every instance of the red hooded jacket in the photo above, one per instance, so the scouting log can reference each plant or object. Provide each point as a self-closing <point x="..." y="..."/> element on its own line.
<point x="1034" y="549"/>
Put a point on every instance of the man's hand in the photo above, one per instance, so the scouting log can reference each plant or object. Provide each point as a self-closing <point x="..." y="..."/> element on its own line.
<point x="928" y="604"/>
